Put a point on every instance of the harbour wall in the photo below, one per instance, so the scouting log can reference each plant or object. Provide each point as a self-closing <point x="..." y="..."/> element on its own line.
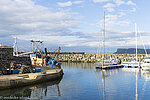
<point x="92" y="58"/>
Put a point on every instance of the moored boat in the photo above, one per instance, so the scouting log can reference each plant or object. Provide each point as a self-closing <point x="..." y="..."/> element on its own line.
<point x="99" y="65"/>
<point x="131" y="63"/>
<point x="146" y="64"/>
<point x="104" y="61"/>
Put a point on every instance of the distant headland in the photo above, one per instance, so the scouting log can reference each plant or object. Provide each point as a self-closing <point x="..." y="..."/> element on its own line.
<point x="131" y="51"/>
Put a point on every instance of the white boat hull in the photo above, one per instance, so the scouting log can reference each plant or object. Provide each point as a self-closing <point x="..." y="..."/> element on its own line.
<point x="106" y="63"/>
<point x="130" y="64"/>
<point x="146" y="64"/>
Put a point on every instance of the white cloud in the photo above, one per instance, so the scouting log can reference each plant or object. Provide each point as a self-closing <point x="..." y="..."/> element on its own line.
<point x="25" y="17"/>
<point x="95" y="1"/>
<point x="119" y="2"/>
<point x="77" y="2"/>
<point x="65" y="4"/>
<point x="123" y="23"/>
<point x="27" y="20"/>
<point x="121" y="14"/>
<point x="113" y="21"/>
<point x="109" y="7"/>
<point x="109" y="16"/>
<point x="131" y="3"/>
<point x="69" y="3"/>
<point x="133" y="10"/>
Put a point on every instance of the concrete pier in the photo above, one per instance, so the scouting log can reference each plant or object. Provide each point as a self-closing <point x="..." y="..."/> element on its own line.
<point x="17" y="80"/>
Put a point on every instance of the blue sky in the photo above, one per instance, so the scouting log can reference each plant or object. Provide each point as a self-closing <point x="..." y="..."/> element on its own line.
<point x="75" y="25"/>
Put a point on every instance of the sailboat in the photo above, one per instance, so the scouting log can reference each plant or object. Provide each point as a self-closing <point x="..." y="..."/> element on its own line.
<point x="132" y="63"/>
<point x="104" y="62"/>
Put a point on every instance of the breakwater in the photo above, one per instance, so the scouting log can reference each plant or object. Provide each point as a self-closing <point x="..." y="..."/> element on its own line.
<point x="92" y="58"/>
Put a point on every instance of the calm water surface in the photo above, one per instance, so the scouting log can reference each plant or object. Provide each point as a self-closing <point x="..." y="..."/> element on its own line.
<point x="81" y="81"/>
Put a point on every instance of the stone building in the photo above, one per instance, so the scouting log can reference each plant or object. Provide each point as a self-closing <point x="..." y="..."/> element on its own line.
<point x="6" y="54"/>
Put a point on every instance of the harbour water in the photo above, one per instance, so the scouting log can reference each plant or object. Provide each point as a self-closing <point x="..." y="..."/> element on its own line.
<point x="81" y="81"/>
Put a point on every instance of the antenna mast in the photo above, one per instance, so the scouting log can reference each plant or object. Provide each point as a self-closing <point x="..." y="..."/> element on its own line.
<point x="15" y="47"/>
<point x="36" y="45"/>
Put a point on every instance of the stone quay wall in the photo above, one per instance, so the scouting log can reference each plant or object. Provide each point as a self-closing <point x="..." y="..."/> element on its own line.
<point x="92" y="58"/>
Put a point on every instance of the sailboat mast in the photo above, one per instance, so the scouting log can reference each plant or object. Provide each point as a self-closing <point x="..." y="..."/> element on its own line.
<point x="103" y="42"/>
<point x="104" y="37"/>
<point x="136" y="40"/>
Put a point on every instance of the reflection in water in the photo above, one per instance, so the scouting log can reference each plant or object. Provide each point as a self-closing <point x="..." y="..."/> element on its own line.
<point x="146" y="75"/>
<point x="81" y="81"/>
<point x="102" y="77"/>
<point x="136" y="71"/>
<point x="78" y="65"/>
<point x="104" y="74"/>
<point x="37" y="91"/>
<point x="140" y="72"/>
<point x="136" y="95"/>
